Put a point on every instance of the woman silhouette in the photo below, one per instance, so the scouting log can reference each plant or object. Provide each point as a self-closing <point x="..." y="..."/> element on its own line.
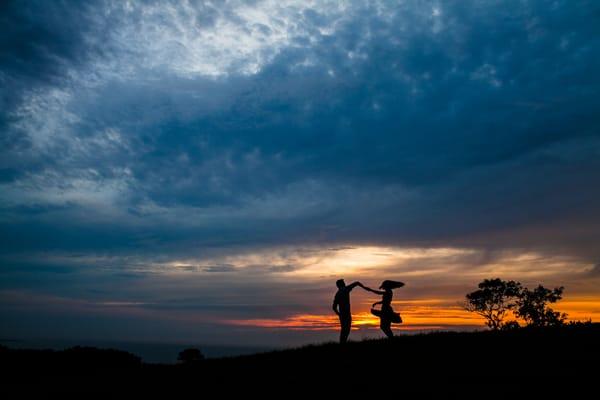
<point x="386" y="315"/>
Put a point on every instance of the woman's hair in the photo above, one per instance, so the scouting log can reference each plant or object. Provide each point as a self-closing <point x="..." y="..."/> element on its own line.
<point x="387" y="284"/>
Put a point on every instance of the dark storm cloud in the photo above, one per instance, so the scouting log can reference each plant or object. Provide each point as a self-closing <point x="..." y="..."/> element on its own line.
<point x="41" y="41"/>
<point x="426" y="123"/>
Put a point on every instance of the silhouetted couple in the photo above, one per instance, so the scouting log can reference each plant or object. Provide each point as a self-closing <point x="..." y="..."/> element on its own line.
<point x="387" y="316"/>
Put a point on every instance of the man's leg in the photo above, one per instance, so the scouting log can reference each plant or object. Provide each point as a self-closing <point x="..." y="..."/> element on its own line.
<point x="345" y="323"/>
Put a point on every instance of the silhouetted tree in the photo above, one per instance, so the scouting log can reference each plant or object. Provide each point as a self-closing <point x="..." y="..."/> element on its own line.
<point x="493" y="300"/>
<point x="532" y="306"/>
<point x="190" y="356"/>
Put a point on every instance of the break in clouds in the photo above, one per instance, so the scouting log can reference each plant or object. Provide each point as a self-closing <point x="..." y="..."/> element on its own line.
<point x="242" y="147"/>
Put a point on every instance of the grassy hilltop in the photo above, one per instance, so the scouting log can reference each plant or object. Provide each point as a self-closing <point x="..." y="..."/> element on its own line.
<point x="485" y="364"/>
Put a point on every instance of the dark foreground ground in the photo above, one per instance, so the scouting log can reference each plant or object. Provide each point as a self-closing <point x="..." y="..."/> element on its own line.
<point x="528" y="363"/>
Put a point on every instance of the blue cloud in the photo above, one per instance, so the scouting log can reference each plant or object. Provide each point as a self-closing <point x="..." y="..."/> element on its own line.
<point x="423" y="121"/>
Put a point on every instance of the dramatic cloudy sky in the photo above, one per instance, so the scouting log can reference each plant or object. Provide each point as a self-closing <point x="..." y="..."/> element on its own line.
<point x="189" y="170"/>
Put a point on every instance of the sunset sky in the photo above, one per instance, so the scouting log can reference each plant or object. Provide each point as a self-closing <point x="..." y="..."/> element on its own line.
<point x="204" y="171"/>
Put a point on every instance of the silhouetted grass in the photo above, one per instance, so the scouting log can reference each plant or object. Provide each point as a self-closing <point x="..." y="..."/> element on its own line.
<point x="483" y="364"/>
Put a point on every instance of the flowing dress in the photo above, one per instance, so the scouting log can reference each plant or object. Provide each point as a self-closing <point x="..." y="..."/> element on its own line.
<point x="387" y="313"/>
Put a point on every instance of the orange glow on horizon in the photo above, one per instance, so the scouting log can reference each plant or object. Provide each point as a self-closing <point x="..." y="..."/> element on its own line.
<point x="416" y="315"/>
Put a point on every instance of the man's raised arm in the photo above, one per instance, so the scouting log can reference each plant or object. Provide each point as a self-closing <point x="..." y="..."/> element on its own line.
<point x="355" y="284"/>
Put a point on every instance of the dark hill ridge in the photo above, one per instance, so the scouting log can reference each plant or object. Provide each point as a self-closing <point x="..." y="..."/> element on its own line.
<point x="543" y="361"/>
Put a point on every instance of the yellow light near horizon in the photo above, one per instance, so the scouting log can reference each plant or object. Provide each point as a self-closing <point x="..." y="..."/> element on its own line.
<point x="357" y="260"/>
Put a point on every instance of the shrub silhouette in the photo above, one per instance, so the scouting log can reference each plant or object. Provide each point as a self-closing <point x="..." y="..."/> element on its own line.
<point x="493" y="300"/>
<point x="190" y="356"/>
<point x="532" y="306"/>
<point x="510" y="325"/>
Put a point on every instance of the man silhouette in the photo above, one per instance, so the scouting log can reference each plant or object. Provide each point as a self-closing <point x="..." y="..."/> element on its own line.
<point x="341" y="306"/>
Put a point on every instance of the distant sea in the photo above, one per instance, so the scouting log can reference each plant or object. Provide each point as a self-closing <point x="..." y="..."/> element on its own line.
<point x="149" y="352"/>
